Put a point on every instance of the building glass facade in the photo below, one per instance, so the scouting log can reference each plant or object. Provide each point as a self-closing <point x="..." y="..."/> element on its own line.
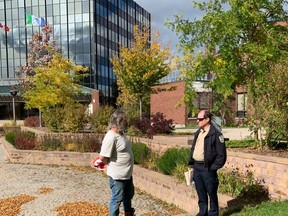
<point x="88" y="31"/>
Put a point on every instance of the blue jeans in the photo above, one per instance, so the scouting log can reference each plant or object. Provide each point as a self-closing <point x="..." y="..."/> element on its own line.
<point x="122" y="191"/>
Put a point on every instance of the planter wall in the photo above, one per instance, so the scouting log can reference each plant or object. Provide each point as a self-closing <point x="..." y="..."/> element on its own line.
<point x="273" y="171"/>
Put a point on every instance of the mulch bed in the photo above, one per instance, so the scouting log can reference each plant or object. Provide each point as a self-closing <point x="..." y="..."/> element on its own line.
<point x="264" y="151"/>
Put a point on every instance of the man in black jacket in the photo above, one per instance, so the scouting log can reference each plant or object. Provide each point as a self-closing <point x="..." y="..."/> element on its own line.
<point x="208" y="154"/>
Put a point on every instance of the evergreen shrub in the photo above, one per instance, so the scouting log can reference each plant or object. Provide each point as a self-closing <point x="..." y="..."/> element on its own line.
<point x="10" y="137"/>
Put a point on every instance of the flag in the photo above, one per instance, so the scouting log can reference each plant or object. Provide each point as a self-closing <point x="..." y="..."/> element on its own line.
<point x="6" y="28"/>
<point x="35" y="21"/>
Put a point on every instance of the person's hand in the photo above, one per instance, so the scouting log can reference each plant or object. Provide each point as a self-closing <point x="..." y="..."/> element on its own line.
<point x="99" y="165"/>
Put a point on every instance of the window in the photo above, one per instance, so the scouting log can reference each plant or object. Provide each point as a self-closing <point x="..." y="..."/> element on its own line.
<point x="241" y="105"/>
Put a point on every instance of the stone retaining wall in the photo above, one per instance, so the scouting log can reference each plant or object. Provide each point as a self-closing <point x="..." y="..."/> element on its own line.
<point x="272" y="171"/>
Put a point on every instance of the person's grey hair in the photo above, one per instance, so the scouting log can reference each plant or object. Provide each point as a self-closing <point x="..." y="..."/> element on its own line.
<point x="118" y="120"/>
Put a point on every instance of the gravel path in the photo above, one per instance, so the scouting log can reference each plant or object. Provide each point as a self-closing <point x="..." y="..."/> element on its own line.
<point x="67" y="184"/>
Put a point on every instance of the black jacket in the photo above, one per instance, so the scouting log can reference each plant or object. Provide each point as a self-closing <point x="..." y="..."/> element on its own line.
<point x="214" y="149"/>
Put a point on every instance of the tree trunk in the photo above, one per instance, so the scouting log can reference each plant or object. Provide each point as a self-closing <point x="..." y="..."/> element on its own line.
<point x="140" y="108"/>
<point x="40" y="118"/>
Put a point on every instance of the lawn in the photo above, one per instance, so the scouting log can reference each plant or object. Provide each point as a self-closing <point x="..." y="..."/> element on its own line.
<point x="279" y="208"/>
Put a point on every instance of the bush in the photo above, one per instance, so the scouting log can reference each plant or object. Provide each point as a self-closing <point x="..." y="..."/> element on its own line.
<point x="157" y="124"/>
<point x="70" y="118"/>
<point x="77" y="143"/>
<point x="142" y="126"/>
<point x="10" y="137"/>
<point x="141" y="152"/>
<point x="11" y="127"/>
<point x="32" y="121"/>
<point x="53" y="119"/>
<point x="83" y="142"/>
<point x="25" y="140"/>
<point x="49" y="143"/>
<point x="178" y="172"/>
<point x="100" y="119"/>
<point x="241" y="185"/>
<point x="74" y="117"/>
<point x="172" y="157"/>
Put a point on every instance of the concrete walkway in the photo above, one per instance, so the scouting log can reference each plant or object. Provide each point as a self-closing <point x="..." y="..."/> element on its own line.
<point x="231" y="133"/>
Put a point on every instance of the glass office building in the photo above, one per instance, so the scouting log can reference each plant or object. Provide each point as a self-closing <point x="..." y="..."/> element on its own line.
<point x="88" y="31"/>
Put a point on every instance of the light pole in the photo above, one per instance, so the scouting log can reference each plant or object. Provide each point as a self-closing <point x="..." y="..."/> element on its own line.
<point x="14" y="93"/>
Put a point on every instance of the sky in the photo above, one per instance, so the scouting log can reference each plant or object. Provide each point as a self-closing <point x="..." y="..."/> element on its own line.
<point x="162" y="9"/>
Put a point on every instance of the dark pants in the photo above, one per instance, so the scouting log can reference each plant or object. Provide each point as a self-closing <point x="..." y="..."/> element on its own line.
<point x="206" y="183"/>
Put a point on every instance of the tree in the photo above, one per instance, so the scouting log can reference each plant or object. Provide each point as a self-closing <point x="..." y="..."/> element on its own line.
<point x="53" y="84"/>
<point x="40" y="54"/>
<point x="273" y="109"/>
<point x="46" y="79"/>
<point x="243" y="39"/>
<point x="140" y="67"/>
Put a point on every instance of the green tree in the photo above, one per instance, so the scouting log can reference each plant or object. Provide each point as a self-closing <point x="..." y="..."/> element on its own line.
<point x="243" y="39"/>
<point x="140" y="66"/>
<point x="273" y="109"/>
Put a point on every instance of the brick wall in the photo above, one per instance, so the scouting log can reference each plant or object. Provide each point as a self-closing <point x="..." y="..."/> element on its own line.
<point x="166" y="102"/>
<point x="272" y="170"/>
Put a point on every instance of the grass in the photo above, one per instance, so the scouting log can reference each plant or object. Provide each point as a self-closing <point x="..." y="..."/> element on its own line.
<point x="275" y="208"/>
<point x="241" y="143"/>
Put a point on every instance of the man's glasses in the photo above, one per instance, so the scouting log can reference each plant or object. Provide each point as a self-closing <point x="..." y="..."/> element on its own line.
<point x="200" y="119"/>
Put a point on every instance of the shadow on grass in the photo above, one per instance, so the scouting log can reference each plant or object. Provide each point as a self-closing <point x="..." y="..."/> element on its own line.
<point x="249" y="197"/>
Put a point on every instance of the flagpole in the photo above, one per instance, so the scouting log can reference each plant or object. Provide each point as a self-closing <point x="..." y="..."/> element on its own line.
<point x="26" y="44"/>
<point x="45" y="12"/>
<point x="6" y="45"/>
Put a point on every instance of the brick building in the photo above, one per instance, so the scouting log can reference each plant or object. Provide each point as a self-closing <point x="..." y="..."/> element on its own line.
<point x="169" y="103"/>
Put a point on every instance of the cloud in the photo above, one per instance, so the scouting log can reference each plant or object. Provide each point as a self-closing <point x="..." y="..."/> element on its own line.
<point x="162" y="9"/>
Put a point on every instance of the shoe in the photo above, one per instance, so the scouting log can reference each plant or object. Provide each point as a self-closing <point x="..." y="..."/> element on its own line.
<point x="131" y="213"/>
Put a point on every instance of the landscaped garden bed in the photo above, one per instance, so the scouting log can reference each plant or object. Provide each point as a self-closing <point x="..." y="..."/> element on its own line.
<point x="176" y="168"/>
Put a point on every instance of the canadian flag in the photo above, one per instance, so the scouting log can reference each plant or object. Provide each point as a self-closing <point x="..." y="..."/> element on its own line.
<point x="6" y="28"/>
